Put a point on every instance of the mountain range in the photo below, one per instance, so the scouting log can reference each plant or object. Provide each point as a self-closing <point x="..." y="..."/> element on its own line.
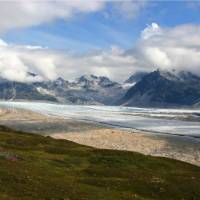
<point x="87" y="89"/>
<point x="155" y="89"/>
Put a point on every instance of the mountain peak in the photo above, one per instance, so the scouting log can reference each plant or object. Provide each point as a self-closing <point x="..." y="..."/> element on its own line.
<point x="87" y="77"/>
<point x="167" y="74"/>
<point x="137" y="76"/>
<point x="95" y="81"/>
<point x="60" y="81"/>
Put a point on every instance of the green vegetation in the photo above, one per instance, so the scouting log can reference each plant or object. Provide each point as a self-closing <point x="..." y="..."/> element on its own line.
<point x="34" y="167"/>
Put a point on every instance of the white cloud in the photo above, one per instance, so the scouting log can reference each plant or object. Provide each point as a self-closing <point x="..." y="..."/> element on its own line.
<point x="173" y="48"/>
<point x="150" y="31"/>
<point x="27" y="13"/>
<point x="17" y="61"/>
<point x="157" y="57"/>
<point x="127" y="9"/>
<point x="22" y="13"/>
<point x="113" y="63"/>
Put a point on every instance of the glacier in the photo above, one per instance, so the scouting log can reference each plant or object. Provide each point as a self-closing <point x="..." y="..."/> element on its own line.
<point x="183" y="122"/>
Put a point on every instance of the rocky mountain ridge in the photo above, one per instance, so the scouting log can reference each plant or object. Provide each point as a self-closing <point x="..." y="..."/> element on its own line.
<point x="164" y="89"/>
<point x="155" y="89"/>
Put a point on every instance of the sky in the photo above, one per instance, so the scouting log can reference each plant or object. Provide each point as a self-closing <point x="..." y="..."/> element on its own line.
<point x="103" y="37"/>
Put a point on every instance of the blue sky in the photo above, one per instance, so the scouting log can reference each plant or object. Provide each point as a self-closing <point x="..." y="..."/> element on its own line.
<point x="97" y="30"/>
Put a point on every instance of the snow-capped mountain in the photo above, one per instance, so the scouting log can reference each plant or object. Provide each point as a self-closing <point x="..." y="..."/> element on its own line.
<point x="164" y="88"/>
<point x="95" y="81"/>
<point x="158" y="89"/>
<point x="87" y="89"/>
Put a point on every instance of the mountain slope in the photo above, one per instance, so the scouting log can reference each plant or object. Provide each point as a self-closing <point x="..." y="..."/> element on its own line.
<point x="87" y="89"/>
<point x="164" y="88"/>
<point x="10" y="90"/>
<point x="136" y="77"/>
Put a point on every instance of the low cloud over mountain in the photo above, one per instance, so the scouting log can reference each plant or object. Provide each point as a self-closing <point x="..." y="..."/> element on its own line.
<point x="166" y="48"/>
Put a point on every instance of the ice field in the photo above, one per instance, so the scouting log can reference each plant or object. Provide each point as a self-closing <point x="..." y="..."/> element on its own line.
<point x="167" y="121"/>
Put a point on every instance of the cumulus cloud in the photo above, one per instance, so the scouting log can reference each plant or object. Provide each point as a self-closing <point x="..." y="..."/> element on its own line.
<point x="150" y="31"/>
<point x="113" y="63"/>
<point x="166" y="48"/>
<point x="17" y="61"/>
<point x="156" y="56"/>
<point x="171" y="48"/>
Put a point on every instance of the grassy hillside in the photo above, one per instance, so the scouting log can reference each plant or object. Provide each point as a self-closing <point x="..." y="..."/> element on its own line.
<point x="37" y="167"/>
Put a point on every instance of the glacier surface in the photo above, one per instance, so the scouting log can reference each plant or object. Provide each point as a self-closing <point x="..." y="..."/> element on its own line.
<point x="184" y="122"/>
